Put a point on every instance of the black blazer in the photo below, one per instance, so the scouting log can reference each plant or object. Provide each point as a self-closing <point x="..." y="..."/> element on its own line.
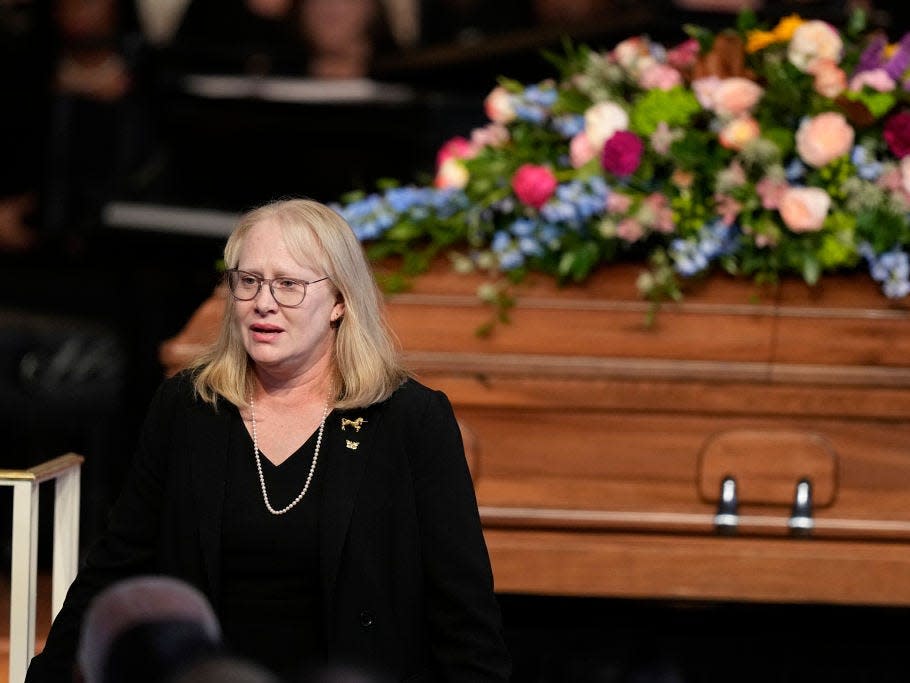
<point x="406" y="578"/>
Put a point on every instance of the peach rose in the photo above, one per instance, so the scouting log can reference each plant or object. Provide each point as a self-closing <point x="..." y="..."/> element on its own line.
<point x="823" y="138"/>
<point x="602" y="120"/>
<point x="451" y="173"/>
<point x="803" y="209"/>
<point x="739" y="132"/>
<point x="830" y="79"/>
<point x="735" y="97"/>
<point x="580" y="150"/>
<point x="498" y="105"/>
<point x="814" y="40"/>
<point x="905" y="174"/>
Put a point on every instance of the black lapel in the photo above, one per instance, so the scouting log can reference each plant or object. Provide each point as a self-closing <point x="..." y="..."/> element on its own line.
<point x="209" y="437"/>
<point x="346" y="454"/>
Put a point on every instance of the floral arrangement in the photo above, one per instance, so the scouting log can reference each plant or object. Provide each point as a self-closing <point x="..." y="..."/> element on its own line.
<point x="763" y="152"/>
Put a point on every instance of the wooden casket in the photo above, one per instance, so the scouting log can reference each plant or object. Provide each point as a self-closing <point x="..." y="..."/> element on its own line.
<point x="751" y="445"/>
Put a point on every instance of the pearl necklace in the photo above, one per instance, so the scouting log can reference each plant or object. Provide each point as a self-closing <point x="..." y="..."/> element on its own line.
<point x="309" y="478"/>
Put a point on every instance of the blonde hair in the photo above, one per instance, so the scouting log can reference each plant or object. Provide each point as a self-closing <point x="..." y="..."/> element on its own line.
<point x="366" y="362"/>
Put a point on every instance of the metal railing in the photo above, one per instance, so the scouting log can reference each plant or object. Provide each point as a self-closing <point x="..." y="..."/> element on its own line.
<point x="24" y="572"/>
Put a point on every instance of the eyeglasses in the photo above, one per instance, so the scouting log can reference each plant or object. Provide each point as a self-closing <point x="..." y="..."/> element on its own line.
<point x="286" y="291"/>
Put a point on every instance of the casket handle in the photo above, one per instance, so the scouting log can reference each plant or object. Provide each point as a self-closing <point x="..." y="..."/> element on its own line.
<point x="801" y="522"/>
<point x="727" y="518"/>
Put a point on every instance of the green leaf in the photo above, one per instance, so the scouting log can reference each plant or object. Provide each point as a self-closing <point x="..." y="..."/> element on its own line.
<point x="878" y="103"/>
<point x="811" y="270"/>
<point x="403" y="231"/>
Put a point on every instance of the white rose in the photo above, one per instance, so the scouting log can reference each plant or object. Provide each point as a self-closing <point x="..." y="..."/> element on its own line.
<point x="814" y="40"/>
<point x="602" y="120"/>
<point x="498" y="105"/>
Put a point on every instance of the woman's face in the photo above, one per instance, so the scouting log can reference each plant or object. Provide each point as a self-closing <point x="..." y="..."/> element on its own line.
<point x="283" y="341"/>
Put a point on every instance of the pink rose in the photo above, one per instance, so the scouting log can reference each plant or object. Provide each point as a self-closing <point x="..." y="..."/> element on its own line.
<point x="829" y="79"/>
<point x="622" y="153"/>
<point x="617" y="202"/>
<point x="580" y="150"/>
<point x="456" y="148"/>
<point x="630" y="230"/>
<point x="704" y="89"/>
<point x="905" y="175"/>
<point x="499" y="106"/>
<point x="877" y="79"/>
<point x="684" y="55"/>
<point x="656" y="213"/>
<point x="897" y="134"/>
<point x="727" y="208"/>
<point x="534" y="184"/>
<point x="659" y="76"/>
<point x="803" y="209"/>
<point x="814" y="40"/>
<point x="770" y="190"/>
<point x="736" y="96"/>
<point x="739" y="132"/>
<point x="823" y="138"/>
<point x="491" y="135"/>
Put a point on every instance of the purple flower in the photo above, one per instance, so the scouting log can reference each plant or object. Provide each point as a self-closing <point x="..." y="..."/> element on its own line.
<point x="899" y="62"/>
<point x="871" y="58"/>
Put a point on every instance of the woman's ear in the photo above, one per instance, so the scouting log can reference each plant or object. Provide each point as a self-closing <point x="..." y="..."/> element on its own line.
<point x="337" y="312"/>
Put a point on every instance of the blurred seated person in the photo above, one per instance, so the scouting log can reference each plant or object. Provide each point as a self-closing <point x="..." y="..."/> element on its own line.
<point x="318" y="38"/>
<point x="224" y="669"/>
<point x="144" y="630"/>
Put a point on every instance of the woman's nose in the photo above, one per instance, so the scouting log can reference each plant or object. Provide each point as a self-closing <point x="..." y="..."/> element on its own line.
<point x="264" y="300"/>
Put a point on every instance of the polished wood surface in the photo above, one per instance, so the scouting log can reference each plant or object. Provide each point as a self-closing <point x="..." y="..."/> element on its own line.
<point x="598" y="441"/>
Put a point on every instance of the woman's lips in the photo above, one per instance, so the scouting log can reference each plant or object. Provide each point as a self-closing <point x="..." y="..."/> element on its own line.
<point x="262" y="332"/>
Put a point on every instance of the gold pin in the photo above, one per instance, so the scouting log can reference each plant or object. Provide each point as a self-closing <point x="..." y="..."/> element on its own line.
<point x="352" y="444"/>
<point x="356" y="424"/>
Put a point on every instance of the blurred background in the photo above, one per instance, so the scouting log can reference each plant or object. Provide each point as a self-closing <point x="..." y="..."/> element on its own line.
<point x="135" y="130"/>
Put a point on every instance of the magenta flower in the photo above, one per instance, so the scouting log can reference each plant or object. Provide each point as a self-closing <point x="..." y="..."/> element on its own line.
<point x="534" y="184"/>
<point x="622" y="153"/>
<point x="897" y="134"/>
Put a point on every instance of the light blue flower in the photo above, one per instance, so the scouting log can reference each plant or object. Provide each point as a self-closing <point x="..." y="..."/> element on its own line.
<point x="543" y="97"/>
<point x="867" y="167"/>
<point x="569" y="125"/>
<point x="511" y="259"/>
<point x="795" y="171"/>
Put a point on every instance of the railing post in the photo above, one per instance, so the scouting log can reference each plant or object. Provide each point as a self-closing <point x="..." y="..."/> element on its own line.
<point x="24" y="575"/>
<point x="24" y="578"/>
<point x="66" y="537"/>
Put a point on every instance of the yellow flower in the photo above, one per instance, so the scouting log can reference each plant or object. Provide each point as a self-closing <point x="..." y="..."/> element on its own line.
<point x="786" y="27"/>
<point x="759" y="40"/>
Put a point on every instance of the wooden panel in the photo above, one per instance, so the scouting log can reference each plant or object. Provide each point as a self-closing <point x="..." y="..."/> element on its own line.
<point x="681" y="567"/>
<point x="767" y="465"/>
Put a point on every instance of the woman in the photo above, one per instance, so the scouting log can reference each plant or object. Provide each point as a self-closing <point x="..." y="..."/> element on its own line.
<point x="361" y="546"/>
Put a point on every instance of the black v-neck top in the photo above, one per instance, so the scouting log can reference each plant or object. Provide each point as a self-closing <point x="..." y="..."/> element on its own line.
<point x="271" y="608"/>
